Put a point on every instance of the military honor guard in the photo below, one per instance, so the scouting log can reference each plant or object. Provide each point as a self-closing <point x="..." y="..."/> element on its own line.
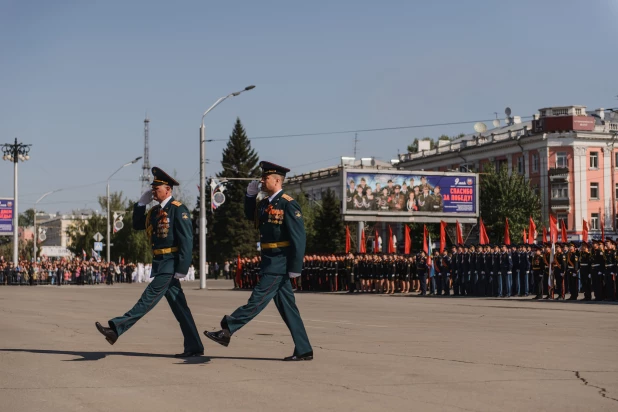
<point x="168" y="226"/>
<point x="282" y="239"/>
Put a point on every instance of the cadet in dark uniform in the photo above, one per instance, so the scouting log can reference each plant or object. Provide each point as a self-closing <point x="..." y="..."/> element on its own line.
<point x="598" y="269"/>
<point x="572" y="267"/>
<point x="585" y="260"/>
<point x="168" y="226"/>
<point x="538" y="265"/>
<point x="421" y="269"/>
<point x="283" y="239"/>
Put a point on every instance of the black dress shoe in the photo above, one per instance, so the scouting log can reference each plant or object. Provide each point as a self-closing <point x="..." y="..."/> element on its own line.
<point x="222" y="337"/>
<point x="109" y="333"/>
<point x="188" y="354"/>
<point x="306" y="357"/>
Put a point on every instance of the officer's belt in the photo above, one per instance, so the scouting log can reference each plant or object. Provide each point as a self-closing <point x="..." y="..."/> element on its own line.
<point x="274" y="245"/>
<point x="164" y="250"/>
<point x="596" y="265"/>
<point x="583" y="264"/>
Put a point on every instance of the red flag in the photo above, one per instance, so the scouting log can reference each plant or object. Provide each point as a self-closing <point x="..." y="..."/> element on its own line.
<point x="347" y="239"/>
<point x="363" y="242"/>
<point x="602" y="229"/>
<point x="531" y="231"/>
<point x="483" y="238"/>
<point x="425" y="245"/>
<point x="544" y="234"/>
<point x="238" y="272"/>
<point x="122" y="261"/>
<point x="390" y="248"/>
<point x="563" y="234"/>
<point x="525" y="236"/>
<point x="407" y="241"/>
<point x="442" y="235"/>
<point x="507" y="236"/>
<point x="585" y="232"/>
<point x="376" y="243"/>
<point x="459" y="235"/>
<point x="553" y="229"/>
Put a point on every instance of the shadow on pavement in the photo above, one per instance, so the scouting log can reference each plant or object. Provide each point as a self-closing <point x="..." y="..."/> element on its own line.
<point x="95" y="356"/>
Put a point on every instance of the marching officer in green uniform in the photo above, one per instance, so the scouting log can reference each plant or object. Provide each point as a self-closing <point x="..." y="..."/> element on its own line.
<point x="168" y="226"/>
<point x="282" y="242"/>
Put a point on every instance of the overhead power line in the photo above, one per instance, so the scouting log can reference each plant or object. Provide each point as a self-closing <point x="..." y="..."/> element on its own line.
<point x="379" y="129"/>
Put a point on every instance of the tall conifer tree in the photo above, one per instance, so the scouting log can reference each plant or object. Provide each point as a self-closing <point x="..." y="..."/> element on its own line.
<point x="231" y="233"/>
<point x="328" y="226"/>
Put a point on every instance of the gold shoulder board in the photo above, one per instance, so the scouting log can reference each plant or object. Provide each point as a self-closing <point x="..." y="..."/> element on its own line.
<point x="287" y="197"/>
<point x="176" y="203"/>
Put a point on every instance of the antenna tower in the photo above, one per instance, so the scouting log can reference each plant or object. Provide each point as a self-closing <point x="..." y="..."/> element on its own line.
<point x="355" y="142"/>
<point x="145" y="177"/>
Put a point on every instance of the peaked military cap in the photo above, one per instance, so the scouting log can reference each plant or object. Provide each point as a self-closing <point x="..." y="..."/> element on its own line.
<point x="162" y="178"/>
<point x="269" y="168"/>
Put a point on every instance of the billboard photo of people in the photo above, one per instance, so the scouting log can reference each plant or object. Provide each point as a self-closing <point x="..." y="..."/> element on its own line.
<point x="369" y="192"/>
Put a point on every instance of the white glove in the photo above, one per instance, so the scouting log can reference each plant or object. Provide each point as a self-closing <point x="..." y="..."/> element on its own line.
<point x="253" y="188"/>
<point x="293" y="275"/>
<point x="179" y="275"/>
<point x="146" y="198"/>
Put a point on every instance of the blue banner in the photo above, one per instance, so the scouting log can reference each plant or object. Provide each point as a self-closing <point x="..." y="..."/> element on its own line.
<point x="410" y="193"/>
<point x="6" y="216"/>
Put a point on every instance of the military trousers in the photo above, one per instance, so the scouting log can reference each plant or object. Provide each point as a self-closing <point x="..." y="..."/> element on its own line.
<point x="573" y="283"/>
<point x="538" y="283"/>
<point x="277" y="288"/>
<point x="598" y="285"/>
<point x="422" y="278"/>
<point x="610" y="288"/>
<point x="586" y="283"/>
<point x="163" y="285"/>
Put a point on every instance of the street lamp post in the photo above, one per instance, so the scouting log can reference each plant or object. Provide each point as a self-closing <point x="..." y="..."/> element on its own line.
<point x="15" y="152"/>
<point x="202" y="224"/>
<point x="108" y="237"/>
<point x="35" y="248"/>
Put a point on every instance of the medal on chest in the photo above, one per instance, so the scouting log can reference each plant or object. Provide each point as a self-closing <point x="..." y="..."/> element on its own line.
<point x="269" y="214"/>
<point x="163" y="224"/>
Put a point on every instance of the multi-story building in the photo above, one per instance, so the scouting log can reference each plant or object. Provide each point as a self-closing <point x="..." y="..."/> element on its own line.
<point x="568" y="154"/>
<point x="56" y="227"/>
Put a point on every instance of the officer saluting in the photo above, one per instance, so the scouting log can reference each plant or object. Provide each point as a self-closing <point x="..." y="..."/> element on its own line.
<point x="168" y="226"/>
<point x="282" y="240"/>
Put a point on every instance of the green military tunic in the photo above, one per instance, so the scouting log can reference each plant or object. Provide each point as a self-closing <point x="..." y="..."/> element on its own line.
<point x="282" y="240"/>
<point x="171" y="237"/>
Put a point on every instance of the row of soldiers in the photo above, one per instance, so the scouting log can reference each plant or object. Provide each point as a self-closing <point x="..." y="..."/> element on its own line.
<point x="465" y="270"/>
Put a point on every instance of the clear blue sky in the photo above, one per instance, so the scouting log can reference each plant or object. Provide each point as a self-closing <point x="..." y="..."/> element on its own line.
<point x="76" y="78"/>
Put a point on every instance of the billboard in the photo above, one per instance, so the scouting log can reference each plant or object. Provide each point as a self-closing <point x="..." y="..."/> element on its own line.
<point x="6" y="216"/>
<point x="410" y="194"/>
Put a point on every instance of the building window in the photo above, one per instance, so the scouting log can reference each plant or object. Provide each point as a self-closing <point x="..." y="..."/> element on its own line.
<point x="521" y="169"/>
<point x="594" y="221"/>
<point x="535" y="162"/>
<point x="594" y="160"/>
<point x="562" y="217"/>
<point x="560" y="191"/>
<point x="617" y="195"/>
<point x="543" y="113"/>
<point x="578" y="112"/>
<point x="560" y="112"/>
<point x="561" y="159"/>
<point x="616" y="160"/>
<point x="594" y="190"/>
